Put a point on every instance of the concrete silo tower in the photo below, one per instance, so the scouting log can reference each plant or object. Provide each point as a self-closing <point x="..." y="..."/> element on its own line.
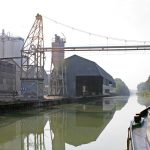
<point x="58" y="54"/>
<point x="57" y="75"/>
<point x="10" y="47"/>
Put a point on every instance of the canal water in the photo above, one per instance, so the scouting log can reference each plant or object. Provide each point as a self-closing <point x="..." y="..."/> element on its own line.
<point x="99" y="124"/>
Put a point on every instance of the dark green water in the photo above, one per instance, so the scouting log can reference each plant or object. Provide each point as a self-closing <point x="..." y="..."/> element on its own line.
<point x="93" y="125"/>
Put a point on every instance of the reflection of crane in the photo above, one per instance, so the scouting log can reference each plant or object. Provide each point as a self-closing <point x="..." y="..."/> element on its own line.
<point x="32" y="61"/>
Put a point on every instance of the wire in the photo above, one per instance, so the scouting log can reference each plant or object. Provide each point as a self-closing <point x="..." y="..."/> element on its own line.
<point x="93" y="34"/>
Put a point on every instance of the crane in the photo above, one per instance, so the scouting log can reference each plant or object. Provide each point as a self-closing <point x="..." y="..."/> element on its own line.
<point x="32" y="61"/>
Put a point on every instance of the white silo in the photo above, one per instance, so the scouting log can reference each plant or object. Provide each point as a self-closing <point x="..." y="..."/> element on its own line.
<point x="10" y="46"/>
<point x="58" y="54"/>
<point x="58" y="73"/>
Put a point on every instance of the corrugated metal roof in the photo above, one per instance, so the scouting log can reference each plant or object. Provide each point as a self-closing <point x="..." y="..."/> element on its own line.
<point x="81" y="66"/>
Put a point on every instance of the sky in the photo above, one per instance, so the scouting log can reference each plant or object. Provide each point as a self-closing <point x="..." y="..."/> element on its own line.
<point x="122" y="19"/>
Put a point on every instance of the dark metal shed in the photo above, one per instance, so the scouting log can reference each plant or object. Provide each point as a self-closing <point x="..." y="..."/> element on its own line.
<point x="85" y="77"/>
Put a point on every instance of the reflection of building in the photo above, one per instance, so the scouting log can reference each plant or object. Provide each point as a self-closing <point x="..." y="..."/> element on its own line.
<point x="79" y="125"/>
<point x="23" y="134"/>
<point x="73" y="124"/>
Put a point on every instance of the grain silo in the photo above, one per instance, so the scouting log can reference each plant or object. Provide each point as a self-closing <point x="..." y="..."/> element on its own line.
<point x="57" y="75"/>
<point x="10" y="46"/>
<point x="57" y="53"/>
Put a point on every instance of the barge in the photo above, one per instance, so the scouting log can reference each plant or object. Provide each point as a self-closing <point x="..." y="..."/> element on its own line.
<point x="139" y="131"/>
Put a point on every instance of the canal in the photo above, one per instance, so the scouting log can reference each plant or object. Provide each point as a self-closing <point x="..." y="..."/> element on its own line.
<point x="99" y="124"/>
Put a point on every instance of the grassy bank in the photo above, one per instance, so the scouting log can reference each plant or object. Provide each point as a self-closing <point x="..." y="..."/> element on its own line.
<point x="145" y="94"/>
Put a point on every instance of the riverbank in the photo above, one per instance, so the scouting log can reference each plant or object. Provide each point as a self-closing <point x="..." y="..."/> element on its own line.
<point x="17" y="105"/>
<point x="144" y="94"/>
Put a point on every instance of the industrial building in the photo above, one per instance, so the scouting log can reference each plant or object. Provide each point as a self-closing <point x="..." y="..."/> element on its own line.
<point x="7" y="78"/>
<point x="77" y="76"/>
<point x="10" y="65"/>
<point x="71" y="77"/>
<point x="85" y="77"/>
<point x="10" y="47"/>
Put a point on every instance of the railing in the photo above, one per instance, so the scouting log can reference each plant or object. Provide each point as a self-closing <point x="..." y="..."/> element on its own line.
<point x="98" y="48"/>
<point x="130" y="144"/>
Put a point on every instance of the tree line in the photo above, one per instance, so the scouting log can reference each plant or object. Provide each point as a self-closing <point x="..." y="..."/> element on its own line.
<point x="144" y="86"/>
<point x="121" y="88"/>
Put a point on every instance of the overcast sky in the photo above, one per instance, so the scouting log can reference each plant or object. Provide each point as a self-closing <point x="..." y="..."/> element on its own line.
<point x="124" y="19"/>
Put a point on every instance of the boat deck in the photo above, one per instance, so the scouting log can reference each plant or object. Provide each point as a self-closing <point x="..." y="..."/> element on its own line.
<point x="148" y="128"/>
<point x="140" y="138"/>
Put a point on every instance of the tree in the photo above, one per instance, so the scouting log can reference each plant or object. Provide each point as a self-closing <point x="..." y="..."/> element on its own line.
<point x="144" y="86"/>
<point x="121" y="87"/>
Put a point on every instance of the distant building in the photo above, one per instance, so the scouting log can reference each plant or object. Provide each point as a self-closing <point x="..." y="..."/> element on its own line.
<point x="85" y="77"/>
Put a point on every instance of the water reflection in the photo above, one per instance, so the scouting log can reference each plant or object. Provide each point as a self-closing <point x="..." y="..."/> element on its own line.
<point x="23" y="133"/>
<point x="79" y="124"/>
<point x="73" y="124"/>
